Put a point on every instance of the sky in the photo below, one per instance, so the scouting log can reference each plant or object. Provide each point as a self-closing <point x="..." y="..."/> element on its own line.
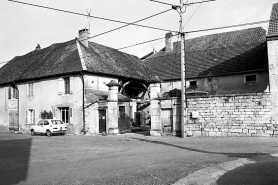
<point x="24" y="26"/>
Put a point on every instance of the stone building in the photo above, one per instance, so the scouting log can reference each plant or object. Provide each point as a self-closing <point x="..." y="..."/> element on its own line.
<point x="67" y="80"/>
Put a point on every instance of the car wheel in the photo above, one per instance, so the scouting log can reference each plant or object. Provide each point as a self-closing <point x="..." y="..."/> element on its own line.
<point x="48" y="133"/>
<point x="32" y="133"/>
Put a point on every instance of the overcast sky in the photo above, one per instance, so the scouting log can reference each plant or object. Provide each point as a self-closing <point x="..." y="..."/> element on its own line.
<point x="24" y="26"/>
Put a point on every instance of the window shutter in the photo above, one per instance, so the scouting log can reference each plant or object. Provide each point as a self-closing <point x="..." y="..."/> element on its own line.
<point x="70" y="116"/>
<point x="34" y="116"/>
<point x="27" y="116"/>
<point x="71" y="85"/>
<point x="27" y="90"/>
<point x="61" y="86"/>
<point x="33" y="90"/>
<point x="9" y="93"/>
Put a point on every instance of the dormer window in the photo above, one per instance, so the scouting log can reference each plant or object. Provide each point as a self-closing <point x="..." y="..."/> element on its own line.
<point x="250" y="78"/>
<point x="193" y="84"/>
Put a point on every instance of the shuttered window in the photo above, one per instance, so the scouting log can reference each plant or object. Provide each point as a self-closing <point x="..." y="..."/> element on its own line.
<point x="12" y="93"/>
<point x="30" y="90"/>
<point x="65" y="85"/>
<point x="30" y="116"/>
<point x="9" y="93"/>
<point x="65" y="114"/>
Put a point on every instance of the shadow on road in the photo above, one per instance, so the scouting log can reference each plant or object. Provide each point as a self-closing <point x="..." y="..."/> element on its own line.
<point x="263" y="172"/>
<point x="237" y="155"/>
<point x="14" y="160"/>
<point x="141" y="131"/>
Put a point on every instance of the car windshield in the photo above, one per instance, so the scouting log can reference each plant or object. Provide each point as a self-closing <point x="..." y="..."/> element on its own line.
<point x="56" y="122"/>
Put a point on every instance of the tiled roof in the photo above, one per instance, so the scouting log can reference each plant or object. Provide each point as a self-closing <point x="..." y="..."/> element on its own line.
<point x="106" y="60"/>
<point x="217" y="54"/>
<point x="63" y="58"/>
<point x="93" y="96"/>
<point x="273" y="24"/>
<point x="56" y="59"/>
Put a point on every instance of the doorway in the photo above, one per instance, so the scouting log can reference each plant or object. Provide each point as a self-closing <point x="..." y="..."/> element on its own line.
<point x="13" y="120"/>
<point x="102" y="121"/>
<point x="167" y="121"/>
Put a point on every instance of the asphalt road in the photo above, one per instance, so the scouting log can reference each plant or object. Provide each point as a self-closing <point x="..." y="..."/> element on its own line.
<point x="131" y="159"/>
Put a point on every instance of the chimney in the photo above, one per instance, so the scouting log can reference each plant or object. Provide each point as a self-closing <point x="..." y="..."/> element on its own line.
<point x="38" y="47"/>
<point x="168" y="42"/>
<point x="83" y="37"/>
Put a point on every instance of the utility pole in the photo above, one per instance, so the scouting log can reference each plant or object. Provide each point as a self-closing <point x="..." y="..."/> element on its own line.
<point x="183" y="76"/>
<point x="183" y="66"/>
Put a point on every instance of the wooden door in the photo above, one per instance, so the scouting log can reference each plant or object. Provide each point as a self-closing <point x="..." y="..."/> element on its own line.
<point x="13" y="120"/>
<point x="166" y="120"/>
<point x="102" y="121"/>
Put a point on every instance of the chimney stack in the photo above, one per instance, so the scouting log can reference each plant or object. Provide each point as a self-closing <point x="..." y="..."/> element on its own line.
<point x="83" y="36"/>
<point x="38" y="47"/>
<point x="168" y="42"/>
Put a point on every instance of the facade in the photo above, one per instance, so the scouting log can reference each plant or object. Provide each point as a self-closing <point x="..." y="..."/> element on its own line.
<point x="224" y="63"/>
<point x="64" y="80"/>
<point x="230" y="85"/>
<point x="227" y="86"/>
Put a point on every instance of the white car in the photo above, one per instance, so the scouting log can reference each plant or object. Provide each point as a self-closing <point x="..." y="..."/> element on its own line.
<point x="49" y="127"/>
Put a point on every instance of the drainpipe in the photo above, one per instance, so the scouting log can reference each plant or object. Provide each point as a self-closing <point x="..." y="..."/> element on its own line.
<point x="83" y="99"/>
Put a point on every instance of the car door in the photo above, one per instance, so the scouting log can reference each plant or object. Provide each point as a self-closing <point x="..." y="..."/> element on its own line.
<point x="39" y="127"/>
<point x="46" y="126"/>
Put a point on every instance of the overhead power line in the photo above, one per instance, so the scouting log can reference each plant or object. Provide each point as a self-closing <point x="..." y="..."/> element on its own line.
<point x="224" y="27"/>
<point x="186" y="32"/>
<point x="86" y="15"/>
<point x="192" y="14"/>
<point x="129" y="24"/>
<point x="185" y="4"/>
<point x="198" y="2"/>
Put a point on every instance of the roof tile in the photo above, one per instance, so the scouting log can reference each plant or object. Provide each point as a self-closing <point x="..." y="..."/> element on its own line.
<point x="273" y="24"/>
<point x="216" y="54"/>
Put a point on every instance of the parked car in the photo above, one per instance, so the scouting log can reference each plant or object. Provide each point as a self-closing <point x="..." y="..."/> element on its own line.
<point x="49" y="127"/>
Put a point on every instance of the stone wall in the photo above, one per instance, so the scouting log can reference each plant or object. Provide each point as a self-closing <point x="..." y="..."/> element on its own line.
<point x="231" y="115"/>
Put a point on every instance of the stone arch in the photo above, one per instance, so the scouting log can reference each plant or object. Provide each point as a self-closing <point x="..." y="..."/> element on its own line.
<point x="131" y="82"/>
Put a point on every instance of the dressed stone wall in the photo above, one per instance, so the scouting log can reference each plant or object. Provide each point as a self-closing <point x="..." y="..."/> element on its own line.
<point x="231" y="115"/>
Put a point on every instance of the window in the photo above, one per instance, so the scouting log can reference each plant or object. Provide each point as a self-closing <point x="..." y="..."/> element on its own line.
<point x="30" y="116"/>
<point x="30" y="90"/>
<point x="67" y="85"/>
<point x="250" y="78"/>
<point x="12" y="93"/>
<point x="40" y="123"/>
<point x="65" y="114"/>
<point x="193" y="84"/>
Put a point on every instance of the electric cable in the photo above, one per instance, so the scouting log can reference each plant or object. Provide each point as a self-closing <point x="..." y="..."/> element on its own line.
<point x="192" y="14"/>
<point x="106" y="19"/>
<point x="186" y="32"/>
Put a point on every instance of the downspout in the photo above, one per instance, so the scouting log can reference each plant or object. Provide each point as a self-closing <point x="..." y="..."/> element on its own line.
<point x="83" y="104"/>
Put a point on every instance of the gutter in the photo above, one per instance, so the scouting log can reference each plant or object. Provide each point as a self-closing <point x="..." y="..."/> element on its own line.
<point x="272" y="37"/>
